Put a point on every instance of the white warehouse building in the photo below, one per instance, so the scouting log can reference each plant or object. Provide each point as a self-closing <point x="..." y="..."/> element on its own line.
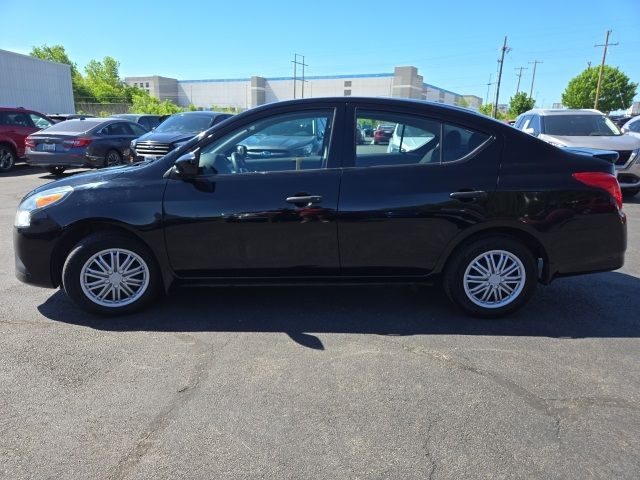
<point x="244" y="93"/>
<point x="35" y="84"/>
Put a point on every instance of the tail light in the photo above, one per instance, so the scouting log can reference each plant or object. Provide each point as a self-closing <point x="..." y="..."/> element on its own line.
<point x="30" y="143"/>
<point x="605" y="181"/>
<point x="76" y="143"/>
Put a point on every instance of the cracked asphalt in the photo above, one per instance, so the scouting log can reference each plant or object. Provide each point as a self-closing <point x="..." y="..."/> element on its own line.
<point x="320" y="383"/>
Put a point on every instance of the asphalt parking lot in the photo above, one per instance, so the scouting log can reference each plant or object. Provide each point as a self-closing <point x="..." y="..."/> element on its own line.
<point x="323" y="382"/>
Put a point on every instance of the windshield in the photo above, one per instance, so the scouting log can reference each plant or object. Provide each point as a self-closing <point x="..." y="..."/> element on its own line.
<point x="579" y="125"/>
<point x="184" y="123"/>
<point x="292" y="128"/>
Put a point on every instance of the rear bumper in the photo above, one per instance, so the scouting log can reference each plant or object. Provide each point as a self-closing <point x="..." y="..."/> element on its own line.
<point x="593" y="243"/>
<point x="42" y="159"/>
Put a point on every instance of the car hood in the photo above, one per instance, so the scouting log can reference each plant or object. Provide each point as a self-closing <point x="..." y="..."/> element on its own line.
<point x="276" y="142"/>
<point x="166" y="137"/>
<point x="618" y="142"/>
<point x="91" y="179"/>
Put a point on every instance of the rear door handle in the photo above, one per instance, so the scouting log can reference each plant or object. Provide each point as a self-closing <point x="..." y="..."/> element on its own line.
<point x="305" y="199"/>
<point x="468" y="195"/>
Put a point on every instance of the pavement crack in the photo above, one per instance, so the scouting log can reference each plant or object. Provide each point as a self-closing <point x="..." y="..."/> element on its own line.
<point x="182" y="397"/>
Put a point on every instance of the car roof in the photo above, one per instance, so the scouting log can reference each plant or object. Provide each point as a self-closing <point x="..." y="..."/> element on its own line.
<point x="19" y="109"/>
<point x="546" y="112"/>
<point x="95" y="121"/>
<point x="204" y="113"/>
<point x="425" y="106"/>
<point x="133" y="115"/>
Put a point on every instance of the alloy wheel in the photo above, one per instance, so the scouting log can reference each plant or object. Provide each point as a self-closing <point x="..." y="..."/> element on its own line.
<point x="494" y="279"/>
<point x="114" y="277"/>
<point x="6" y="159"/>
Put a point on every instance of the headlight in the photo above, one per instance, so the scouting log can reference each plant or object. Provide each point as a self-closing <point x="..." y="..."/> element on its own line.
<point x="38" y="201"/>
<point x="303" y="151"/>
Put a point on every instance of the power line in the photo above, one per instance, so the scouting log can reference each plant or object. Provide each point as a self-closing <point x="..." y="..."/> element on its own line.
<point x="519" y="75"/>
<point x="533" y="78"/>
<point x="604" y="56"/>
<point x="504" y="49"/>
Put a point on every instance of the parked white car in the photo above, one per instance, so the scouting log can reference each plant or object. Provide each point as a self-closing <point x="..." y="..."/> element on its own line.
<point x="587" y="129"/>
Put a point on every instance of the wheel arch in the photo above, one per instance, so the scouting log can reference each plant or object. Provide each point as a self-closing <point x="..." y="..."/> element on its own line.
<point x="527" y="238"/>
<point x="79" y="230"/>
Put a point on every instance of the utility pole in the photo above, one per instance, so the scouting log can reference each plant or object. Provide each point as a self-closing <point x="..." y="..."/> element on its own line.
<point x="486" y="98"/>
<point x="533" y="78"/>
<point x="604" y="56"/>
<point x="519" y="75"/>
<point x="505" y="49"/>
<point x="295" y="72"/>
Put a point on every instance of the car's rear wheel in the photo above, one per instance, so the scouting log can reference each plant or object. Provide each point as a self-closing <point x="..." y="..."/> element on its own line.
<point x="112" y="158"/>
<point x="57" y="170"/>
<point x="7" y="158"/>
<point x="110" y="274"/>
<point x="491" y="277"/>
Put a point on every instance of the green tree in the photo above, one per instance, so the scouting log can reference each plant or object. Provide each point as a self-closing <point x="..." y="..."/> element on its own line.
<point x="616" y="91"/>
<point x="520" y="103"/>
<point x="487" y="109"/>
<point x="142" y="102"/>
<point x="463" y="103"/>
<point x="57" y="53"/>
<point x="103" y="80"/>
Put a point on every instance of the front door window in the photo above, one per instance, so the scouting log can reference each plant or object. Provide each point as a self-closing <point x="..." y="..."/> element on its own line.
<point x="288" y="142"/>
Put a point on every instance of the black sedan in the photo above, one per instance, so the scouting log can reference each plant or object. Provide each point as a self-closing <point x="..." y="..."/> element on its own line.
<point x="85" y="142"/>
<point x="484" y="209"/>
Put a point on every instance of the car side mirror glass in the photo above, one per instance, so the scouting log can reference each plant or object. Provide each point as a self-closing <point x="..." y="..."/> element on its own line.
<point x="187" y="165"/>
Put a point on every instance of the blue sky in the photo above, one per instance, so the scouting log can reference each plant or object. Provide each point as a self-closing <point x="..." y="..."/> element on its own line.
<point x="455" y="45"/>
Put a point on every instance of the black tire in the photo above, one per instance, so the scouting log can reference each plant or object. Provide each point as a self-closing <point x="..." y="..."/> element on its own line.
<point x="630" y="192"/>
<point x="56" y="171"/>
<point x="92" y="245"/>
<point x="112" y="158"/>
<point x="7" y="157"/>
<point x="454" y="284"/>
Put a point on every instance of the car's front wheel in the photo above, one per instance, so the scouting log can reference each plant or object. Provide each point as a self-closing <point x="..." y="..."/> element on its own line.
<point x="491" y="277"/>
<point x="110" y="274"/>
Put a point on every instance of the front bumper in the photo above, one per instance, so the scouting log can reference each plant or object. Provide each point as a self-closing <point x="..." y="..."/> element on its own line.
<point x="34" y="247"/>
<point x="629" y="175"/>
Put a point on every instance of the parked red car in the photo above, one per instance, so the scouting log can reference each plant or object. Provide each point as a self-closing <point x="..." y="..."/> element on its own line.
<point x="16" y="124"/>
<point x="382" y="134"/>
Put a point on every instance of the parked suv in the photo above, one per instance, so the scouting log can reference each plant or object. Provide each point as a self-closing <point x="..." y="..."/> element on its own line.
<point x="587" y="129"/>
<point x="173" y="132"/>
<point x="16" y="124"/>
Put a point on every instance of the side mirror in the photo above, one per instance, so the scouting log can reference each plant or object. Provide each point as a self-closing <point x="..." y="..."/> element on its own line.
<point x="187" y="165"/>
<point x="530" y="131"/>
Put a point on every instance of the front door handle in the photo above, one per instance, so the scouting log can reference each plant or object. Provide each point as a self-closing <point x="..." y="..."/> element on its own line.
<point x="304" y="199"/>
<point x="468" y="195"/>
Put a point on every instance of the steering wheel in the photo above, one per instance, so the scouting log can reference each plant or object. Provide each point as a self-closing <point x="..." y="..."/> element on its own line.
<point x="238" y="162"/>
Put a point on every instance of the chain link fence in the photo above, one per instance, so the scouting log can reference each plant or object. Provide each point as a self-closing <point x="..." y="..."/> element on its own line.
<point x="102" y="109"/>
